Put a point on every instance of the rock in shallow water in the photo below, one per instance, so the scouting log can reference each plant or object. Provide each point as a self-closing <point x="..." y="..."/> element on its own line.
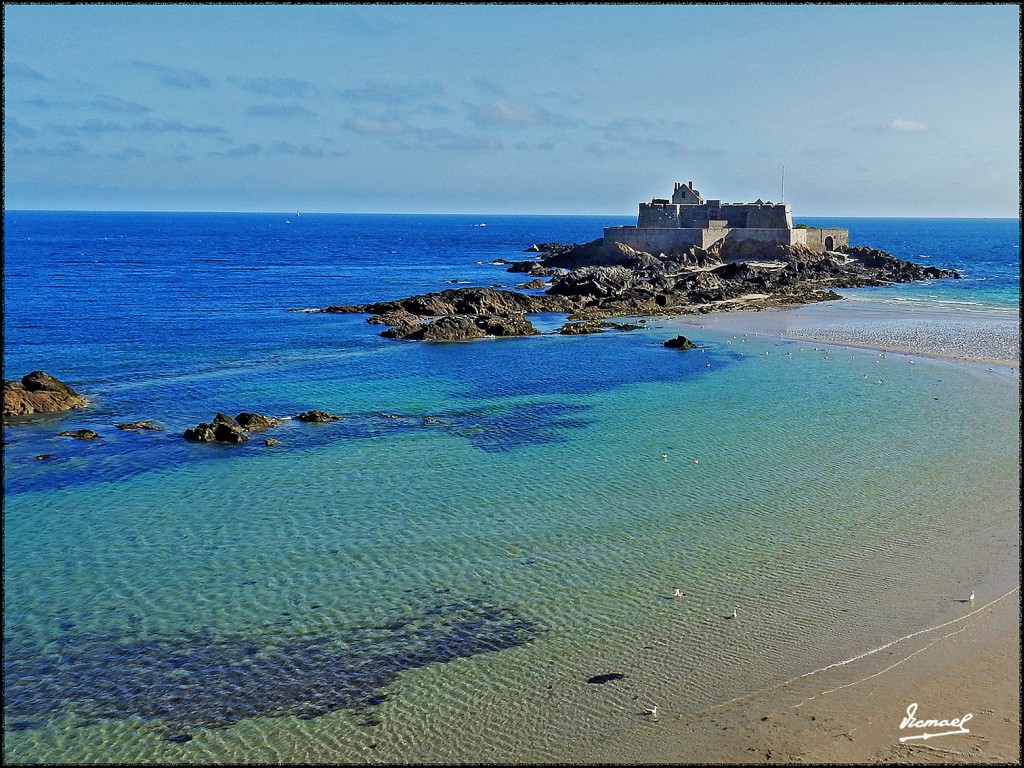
<point x="39" y="392"/>
<point x="318" y="417"/>
<point x="80" y="434"/>
<point x="680" y="342"/>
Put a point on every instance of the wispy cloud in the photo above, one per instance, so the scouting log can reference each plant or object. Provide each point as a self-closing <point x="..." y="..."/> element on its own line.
<point x="114" y="104"/>
<point x="279" y="110"/>
<point x="13" y="127"/>
<point x="899" y="125"/>
<point x="242" y="151"/>
<point x="281" y="87"/>
<point x="306" y="150"/>
<point x="366" y="127"/>
<point x="64" y="149"/>
<point x="127" y="153"/>
<point x="604" y="149"/>
<point x="177" y="78"/>
<point x="392" y="93"/>
<point x="455" y="142"/>
<point x="160" y="125"/>
<point x="506" y="114"/>
<point x="16" y="69"/>
<point x="99" y="126"/>
<point x="491" y="89"/>
<point x="402" y="135"/>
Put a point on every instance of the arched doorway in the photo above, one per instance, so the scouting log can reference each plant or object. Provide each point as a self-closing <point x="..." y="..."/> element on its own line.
<point x="829" y="243"/>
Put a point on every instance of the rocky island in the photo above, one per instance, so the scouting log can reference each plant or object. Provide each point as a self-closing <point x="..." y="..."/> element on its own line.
<point x="685" y="255"/>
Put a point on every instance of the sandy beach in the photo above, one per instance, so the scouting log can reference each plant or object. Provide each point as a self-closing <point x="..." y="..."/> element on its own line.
<point x="978" y="336"/>
<point x="852" y="712"/>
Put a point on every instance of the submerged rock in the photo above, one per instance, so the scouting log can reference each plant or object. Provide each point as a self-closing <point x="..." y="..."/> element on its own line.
<point x="606" y="678"/>
<point x="39" y="392"/>
<point x="80" y="434"/>
<point x="136" y="426"/>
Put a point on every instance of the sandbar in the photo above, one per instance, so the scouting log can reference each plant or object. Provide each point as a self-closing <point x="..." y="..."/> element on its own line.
<point x="973" y="334"/>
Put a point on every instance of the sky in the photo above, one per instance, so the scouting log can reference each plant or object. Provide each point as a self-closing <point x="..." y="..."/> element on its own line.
<point x="872" y="110"/>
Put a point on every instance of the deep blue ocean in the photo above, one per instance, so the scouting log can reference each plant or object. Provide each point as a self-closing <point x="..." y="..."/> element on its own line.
<point x="371" y="581"/>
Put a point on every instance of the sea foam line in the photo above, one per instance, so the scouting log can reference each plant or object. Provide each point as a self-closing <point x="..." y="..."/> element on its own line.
<point x="905" y="637"/>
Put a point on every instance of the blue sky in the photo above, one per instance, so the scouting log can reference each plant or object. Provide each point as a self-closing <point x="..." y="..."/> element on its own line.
<point x="900" y="110"/>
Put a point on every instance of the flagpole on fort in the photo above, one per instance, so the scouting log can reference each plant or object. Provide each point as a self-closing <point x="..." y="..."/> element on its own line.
<point x="783" y="184"/>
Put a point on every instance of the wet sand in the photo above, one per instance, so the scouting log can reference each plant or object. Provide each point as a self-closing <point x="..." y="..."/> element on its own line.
<point x="852" y="713"/>
<point x="980" y="336"/>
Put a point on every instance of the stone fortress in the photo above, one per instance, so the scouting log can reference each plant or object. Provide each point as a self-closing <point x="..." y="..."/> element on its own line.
<point x="687" y="220"/>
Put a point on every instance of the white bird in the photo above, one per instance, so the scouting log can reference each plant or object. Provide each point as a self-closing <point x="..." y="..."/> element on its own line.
<point x="653" y="711"/>
<point x="664" y="455"/>
<point x="971" y="598"/>
<point x="734" y="613"/>
<point x="678" y="593"/>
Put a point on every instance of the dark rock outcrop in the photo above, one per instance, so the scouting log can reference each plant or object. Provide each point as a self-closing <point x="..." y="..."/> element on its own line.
<point x="533" y="284"/>
<point x="394" y="317"/>
<point x="531" y="268"/>
<point x="680" y="342"/>
<point x="255" y="422"/>
<point x="39" y="392"/>
<point x="318" y="417"/>
<point x="607" y="279"/>
<point x="465" y="328"/>
<point x="223" y="429"/>
<point x="595" y="326"/>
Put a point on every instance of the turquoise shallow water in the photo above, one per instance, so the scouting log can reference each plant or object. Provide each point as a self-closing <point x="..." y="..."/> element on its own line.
<point x="392" y="588"/>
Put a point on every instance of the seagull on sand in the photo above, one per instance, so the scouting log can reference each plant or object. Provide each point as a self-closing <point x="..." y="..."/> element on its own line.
<point x="678" y="593"/>
<point x="653" y="711"/>
<point x="733" y="614"/>
<point x="971" y="598"/>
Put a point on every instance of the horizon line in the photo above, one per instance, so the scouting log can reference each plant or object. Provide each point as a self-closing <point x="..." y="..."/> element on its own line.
<point x="470" y="214"/>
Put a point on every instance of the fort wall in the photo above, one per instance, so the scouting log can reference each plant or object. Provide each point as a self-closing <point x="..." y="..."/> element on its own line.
<point x="673" y="239"/>
<point x="688" y="220"/>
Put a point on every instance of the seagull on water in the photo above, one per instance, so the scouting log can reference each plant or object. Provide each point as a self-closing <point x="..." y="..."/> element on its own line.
<point x="664" y="456"/>
<point x="678" y="593"/>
